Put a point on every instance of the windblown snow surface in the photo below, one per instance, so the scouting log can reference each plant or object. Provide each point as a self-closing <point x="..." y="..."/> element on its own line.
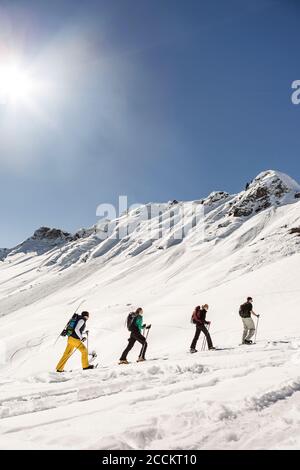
<point x="237" y="397"/>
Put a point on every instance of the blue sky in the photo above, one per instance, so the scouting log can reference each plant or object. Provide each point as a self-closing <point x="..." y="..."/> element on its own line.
<point x="154" y="99"/>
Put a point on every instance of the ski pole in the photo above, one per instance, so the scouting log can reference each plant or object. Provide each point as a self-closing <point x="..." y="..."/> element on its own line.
<point x="87" y="340"/>
<point x="256" y="329"/>
<point x="143" y="347"/>
<point x="203" y="344"/>
<point x="204" y="340"/>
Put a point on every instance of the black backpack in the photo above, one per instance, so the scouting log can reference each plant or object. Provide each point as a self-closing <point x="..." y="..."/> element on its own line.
<point x="243" y="311"/>
<point x="130" y="320"/>
<point x="71" y="325"/>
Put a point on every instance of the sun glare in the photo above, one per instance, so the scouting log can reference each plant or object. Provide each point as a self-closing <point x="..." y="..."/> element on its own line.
<point x="16" y="84"/>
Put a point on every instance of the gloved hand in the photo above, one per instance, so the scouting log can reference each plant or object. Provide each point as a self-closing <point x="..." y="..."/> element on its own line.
<point x="83" y="339"/>
<point x="258" y="316"/>
<point x="148" y="327"/>
<point x="144" y="325"/>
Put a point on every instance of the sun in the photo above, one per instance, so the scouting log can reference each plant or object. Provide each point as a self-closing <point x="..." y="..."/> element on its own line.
<point x="17" y="84"/>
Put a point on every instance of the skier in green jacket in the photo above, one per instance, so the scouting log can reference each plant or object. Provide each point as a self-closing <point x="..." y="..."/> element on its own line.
<point x="135" y="325"/>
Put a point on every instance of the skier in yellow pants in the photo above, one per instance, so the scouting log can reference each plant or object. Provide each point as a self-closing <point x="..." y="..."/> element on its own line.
<point x="75" y="341"/>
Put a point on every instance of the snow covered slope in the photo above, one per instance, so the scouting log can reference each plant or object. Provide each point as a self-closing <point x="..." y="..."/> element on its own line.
<point x="251" y="246"/>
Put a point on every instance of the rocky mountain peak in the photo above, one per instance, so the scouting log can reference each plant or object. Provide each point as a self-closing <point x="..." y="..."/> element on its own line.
<point x="269" y="188"/>
<point x="46" y="233"/>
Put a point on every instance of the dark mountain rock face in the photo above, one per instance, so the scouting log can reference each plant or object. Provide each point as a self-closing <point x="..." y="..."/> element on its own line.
<point x="267" y="190"/>
<point x="46" y="233"/>
<point x="3" y="253"/>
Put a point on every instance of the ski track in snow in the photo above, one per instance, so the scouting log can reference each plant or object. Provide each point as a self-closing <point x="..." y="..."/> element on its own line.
<point x="240" y="398"/>
<point x="199" y="390"/>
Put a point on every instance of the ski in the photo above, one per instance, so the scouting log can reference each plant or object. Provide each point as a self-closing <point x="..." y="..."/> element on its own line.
<point x="278" y="342"/>
<point x="95" y="367"/>
<point x="158" y="359"/>
<point x="78" y="370"/>
<point x="222" y="349"/>
<point x="215" y="349"/>
<point x="147" y="360"/>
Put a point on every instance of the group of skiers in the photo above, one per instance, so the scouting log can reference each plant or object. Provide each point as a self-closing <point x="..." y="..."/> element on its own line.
<point x="199" y="319"/>
<point x="137" y="327"/>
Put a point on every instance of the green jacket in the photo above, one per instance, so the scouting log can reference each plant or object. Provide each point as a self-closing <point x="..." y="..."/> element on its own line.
<point x="139" y="322"/>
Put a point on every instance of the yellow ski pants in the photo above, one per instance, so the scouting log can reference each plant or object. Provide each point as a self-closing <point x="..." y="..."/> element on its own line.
<point x="72" y="344"/>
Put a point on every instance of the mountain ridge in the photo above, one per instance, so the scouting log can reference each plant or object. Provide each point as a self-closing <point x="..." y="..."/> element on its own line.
<point x="169" y="224"/>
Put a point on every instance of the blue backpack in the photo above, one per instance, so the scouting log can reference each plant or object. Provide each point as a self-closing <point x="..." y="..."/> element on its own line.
<point x="71" y="325"/>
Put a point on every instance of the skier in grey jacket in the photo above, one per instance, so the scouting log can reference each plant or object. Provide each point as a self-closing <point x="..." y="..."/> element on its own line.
<point x="246" y="310"/>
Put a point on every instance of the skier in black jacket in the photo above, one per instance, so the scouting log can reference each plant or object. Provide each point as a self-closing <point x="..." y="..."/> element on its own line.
<point x="199" y="319"/>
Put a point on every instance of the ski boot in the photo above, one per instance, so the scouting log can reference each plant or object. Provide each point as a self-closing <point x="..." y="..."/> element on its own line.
<point x="141" y="359"/>
<point x="89" y="367"/>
